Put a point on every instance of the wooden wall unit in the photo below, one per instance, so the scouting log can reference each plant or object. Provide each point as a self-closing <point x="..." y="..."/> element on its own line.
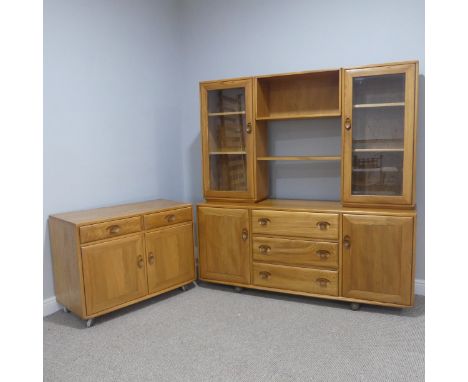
<point x="360" y="250"/>
<point x="108" y="258"/>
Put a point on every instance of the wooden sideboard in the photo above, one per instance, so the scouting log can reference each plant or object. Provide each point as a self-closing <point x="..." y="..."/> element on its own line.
<point x="108" y="258"/>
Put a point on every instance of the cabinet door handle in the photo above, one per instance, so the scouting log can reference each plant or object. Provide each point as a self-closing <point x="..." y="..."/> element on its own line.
<point x="322" y="282"/>
<point x="248" y="129"/>
<point x="323" y="225"/>
<point x="245" y="234"/>
<point x="140" y="262"/>
<point x="113" y="229"/>
<point x="264" y="275"/>
<point x="347" y="123"/>
<point x="170" y="218"/>
<point x="151" y="258"/>
<point x="264" y="249"/>
<point x="347" y="242"/>
<point x="323" y="254"/>
<point x="263" y="221"/>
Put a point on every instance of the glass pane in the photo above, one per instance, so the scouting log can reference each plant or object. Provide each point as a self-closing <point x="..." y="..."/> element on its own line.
<point x="228" y="172"/>
<point x="226" y="100"/>
<point x="377" y="173"/>
<point x="226" y="133"/>
<point x="378" y="134"/>
<point x="379" y="89"/>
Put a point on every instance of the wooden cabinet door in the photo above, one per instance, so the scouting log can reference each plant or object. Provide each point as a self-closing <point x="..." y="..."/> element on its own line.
<point x="169" y="253"/>
<point x="227" y="139"/>
<point x="224" y="244"/>
<point x="379" y="129"/>
<point x="114" y="272"/>
<point x="378" y="258"/>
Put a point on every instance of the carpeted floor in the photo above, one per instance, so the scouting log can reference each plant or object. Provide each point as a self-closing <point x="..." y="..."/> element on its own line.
<point x="211" y="333"/>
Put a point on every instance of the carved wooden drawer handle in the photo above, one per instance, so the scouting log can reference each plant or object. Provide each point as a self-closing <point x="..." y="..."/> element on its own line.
<point x="263" y="221"/>
<point x="264" y="275"/>
<point x="323" y="225"/>
<point x="347" y="123"/>
<point x="347" y="242"/>
<point x="113" y="229"/>
<point x="151" y="258"/>
<point x="245" y="234"/>
<point x="170" y="218"/>
<point x="264" y="249"/>
<point x="322" y="282"/>
<point x="323" y="254"/>
<point x="140" y="262"/>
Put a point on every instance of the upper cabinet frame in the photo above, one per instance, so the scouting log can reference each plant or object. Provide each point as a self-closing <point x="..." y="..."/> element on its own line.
<point x="379" y="135"/>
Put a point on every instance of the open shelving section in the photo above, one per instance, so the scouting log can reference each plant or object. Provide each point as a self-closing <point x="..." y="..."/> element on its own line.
<point x="300" y="158"/>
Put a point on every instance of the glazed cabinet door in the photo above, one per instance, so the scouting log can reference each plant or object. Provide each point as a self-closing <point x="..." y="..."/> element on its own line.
<point x="227" y="139"/>
<point x="224" y="244"/>
<point x="378" y="258"/>
<point x="169" y="254"/>
<point x="114" y="272"/>
<point x="379" y="134"/>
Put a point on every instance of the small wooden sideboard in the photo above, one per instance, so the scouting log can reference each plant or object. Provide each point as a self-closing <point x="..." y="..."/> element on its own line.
<point x="108" y="258"/>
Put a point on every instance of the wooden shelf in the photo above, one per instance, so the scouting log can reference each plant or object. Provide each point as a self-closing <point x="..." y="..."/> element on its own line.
<point x="228" y="153"/>
<point x="319" y="114"/>
<point x="385" y="104"/>
<point x="300" y="158"/>
<point x="226" y="113"/>
<point x="382" y="150"/>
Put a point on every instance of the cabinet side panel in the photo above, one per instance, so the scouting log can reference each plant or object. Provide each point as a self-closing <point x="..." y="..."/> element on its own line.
<point x="68" y="279"/>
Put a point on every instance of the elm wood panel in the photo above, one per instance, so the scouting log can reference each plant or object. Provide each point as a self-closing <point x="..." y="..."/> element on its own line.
<point x="378" y="262"/>
<point x="109" y="229"/>
<point x="308" y="280"/>
<point x="169" y="255"/>
<point x="224" y="244"/>
<point x="114" y="272"/>
<point x="68" y="278"/>
<point x="307" y="253"/>
<point x="311" y="206"/>
<point x="407" y="197"/>
<point x="166" y="218"/>
<point x="262" y="173"/>
<point x="118" y="212"/>
<point x="303" y="224"/>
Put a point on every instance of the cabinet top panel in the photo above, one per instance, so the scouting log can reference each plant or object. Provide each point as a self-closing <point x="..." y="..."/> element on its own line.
<point x="310" y="206"/>
<point x="120" y="211"/>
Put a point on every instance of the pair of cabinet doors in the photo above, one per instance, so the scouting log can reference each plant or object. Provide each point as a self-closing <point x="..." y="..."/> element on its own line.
<point x="125" y="269"/>
<point x="377" y="258"/>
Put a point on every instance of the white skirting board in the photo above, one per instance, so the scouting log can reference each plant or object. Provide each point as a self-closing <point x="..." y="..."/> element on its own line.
<point x="51" y="305"/>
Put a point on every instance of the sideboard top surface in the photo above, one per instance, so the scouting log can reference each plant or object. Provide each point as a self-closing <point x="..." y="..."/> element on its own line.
<point x="120" y="211"/>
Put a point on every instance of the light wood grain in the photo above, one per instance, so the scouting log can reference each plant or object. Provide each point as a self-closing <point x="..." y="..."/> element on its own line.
<point x="169" y="257"/>
<point x="224" y="253"/>
<point x="114" y="272"/>
<point x="109" y="229"/>
<point x="166" y="218"/>
<point x="295" y="252"/>
<point x="316" y="281"/>
<point x="378" y="263"/>
<point x="301" y="224"/>
<point x="299" y="158"/>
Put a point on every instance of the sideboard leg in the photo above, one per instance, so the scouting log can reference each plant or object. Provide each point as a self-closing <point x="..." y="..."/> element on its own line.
<point x="89" y="322"/>
<point x="66" y="310"/>
<point x="355" y="306"/>
<point x="183" y="288"/>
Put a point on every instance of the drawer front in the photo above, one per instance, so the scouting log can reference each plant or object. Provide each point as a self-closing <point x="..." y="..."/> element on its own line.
<point x="295" y="252"/>
<point x="315" y="281"/>
<point x="163" y="219"/>
<point x="109" y="229"/>
<point x="304" y="224"/>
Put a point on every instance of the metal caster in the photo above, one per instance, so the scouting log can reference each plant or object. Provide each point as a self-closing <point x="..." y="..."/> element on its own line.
<point x="89" y="322"/>
<point x="66" y="310"/>
<point x="238" y="289"/>
<point x="355" y="306"/>
<point x="183" y="288"/>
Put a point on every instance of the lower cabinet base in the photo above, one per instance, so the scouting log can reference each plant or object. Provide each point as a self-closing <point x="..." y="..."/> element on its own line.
<point x="306" y="294"/>
<point x="117" y="307"/>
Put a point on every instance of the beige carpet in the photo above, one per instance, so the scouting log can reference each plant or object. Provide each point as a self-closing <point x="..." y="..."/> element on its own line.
<point x="211" y="333"/>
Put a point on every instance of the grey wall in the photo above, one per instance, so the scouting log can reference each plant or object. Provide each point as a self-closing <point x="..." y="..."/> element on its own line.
<point x="111" y="108"/>
<point x="121" y="106"/>
<point x="225" y="39"/>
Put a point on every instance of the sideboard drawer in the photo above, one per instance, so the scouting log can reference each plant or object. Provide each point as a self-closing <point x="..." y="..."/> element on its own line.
<point x="295" y="252"/>
<point x="109" y="229"/>
<point x="163" y="219"/>
<point x="304" y="224"/>
<point x="315" y="281"/>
